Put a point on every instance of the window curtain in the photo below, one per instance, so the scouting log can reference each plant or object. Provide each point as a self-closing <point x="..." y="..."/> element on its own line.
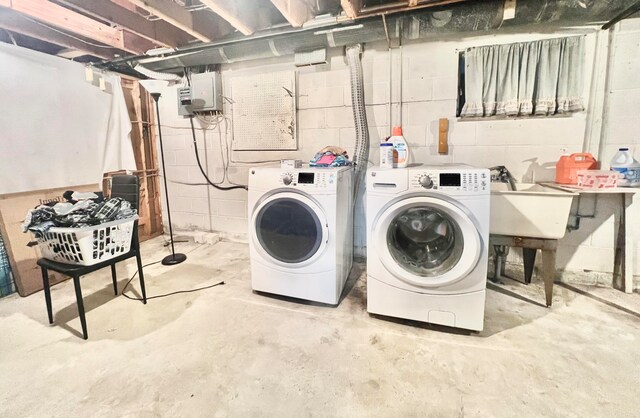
<point x="528" y="78"/>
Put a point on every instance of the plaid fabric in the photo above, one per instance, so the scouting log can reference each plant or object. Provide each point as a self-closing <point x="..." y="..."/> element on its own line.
<point x="81" y="214"/>
<point x="7" y="285"/>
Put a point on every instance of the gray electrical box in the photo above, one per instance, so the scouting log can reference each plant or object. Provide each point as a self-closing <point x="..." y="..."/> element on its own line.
<point x="204" y="94"/>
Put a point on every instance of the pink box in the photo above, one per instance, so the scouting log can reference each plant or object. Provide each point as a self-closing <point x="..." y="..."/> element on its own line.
<point x="597" y="179"/>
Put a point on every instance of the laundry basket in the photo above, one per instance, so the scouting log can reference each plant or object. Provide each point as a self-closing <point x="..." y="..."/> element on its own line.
<point x="88" y="245"/>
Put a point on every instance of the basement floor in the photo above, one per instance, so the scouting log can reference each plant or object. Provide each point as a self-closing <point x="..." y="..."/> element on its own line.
<point x="226" y="351"/>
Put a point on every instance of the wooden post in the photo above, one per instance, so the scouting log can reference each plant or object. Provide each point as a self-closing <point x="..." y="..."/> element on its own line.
<point x="146" y="160"/>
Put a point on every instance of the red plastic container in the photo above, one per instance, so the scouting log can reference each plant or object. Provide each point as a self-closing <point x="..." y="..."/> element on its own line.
<point x="568" y="165"/>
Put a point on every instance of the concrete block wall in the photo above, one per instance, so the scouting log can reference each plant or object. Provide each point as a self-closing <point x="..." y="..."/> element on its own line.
<point x="421" y="81"/>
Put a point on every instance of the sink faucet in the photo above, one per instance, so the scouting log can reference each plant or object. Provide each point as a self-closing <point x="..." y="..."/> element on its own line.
<point x="503" y="175"/>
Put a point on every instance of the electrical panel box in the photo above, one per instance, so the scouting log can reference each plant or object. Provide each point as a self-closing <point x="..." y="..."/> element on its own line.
<point x="204" y="94"/>
<point x="184" y="101"/>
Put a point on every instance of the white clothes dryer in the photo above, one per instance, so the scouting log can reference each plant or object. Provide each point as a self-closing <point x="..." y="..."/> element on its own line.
<point x="301" y="231"/>
<point x="427" y="244"/>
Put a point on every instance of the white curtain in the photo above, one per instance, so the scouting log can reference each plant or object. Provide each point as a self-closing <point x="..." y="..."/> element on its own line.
<point x="528" y="78"/>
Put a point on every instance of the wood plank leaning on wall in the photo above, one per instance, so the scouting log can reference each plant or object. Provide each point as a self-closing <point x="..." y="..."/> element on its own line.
<point x="144" y="143"/>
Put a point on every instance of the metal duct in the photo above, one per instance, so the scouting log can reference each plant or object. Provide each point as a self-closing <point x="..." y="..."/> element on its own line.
<point x="454" y="20"/>
<point x="361" y="152"/>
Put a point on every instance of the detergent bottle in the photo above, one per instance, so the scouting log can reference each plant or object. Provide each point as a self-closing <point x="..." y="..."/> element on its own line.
<point x="400" y="148"/>
<point x="628" y="168"/>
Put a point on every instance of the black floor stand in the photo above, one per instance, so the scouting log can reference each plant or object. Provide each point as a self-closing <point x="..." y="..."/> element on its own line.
<point x="173" y="258"/>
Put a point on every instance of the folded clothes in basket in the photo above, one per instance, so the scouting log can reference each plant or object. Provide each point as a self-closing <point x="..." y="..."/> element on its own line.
<point x="76" y="215"/>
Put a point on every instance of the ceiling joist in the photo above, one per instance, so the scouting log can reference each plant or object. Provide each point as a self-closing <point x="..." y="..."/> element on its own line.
<point x="297" y="12"/>
<point x="70" y="53"/>
<point x="14" y="22"/>
<point x="194" y="24"/>
<point x="351" y="8"/>
<point x="68" y="20"/>
<point x="159" y="32"/>
<point x="357" y="9"/>
<point x="241" y="16"/>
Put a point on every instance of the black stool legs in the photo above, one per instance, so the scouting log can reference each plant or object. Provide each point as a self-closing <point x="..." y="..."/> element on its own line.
<point x="141" y="276"/>
<point x="47" y="293"/>
<point x="76" y="272"/>
<point x="115" y="279"/>
<point x="83" y="321"/>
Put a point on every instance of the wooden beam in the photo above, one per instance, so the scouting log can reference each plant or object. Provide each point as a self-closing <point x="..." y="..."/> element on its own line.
<point x="351" y="8"/>
<point x="70" y="53"/>
<point x="63" y="18"/>
<point x="68" y="20"/>
<point x="126" y="4"/>
<point x="240" y="17"/>
<point x="159" y="32"/>
<point x="179" y="17"/>
<point x="15" y="22"/>
<point x="396" y="7"/>
<point x="136" y="43"/>
<point x="297" y="12"/>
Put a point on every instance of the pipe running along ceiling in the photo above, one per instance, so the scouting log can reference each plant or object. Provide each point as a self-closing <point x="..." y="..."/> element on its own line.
<point x="455" y="20"/>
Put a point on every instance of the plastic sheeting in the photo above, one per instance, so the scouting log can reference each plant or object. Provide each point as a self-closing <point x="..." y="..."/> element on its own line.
<point x="57" y="129"/>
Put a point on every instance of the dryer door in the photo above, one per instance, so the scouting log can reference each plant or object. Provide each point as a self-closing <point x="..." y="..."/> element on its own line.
<point x="289" y="229"/>
<point x="427" y="242"/>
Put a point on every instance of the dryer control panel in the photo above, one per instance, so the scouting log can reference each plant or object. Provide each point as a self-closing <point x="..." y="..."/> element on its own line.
<point x="454" y="180"/>
<point x="309" y="179"/>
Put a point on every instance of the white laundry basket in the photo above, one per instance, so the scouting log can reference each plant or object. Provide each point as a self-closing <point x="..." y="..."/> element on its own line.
<point x="89" y="245"/>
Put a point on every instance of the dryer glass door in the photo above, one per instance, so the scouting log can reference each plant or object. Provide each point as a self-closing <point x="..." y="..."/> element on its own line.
<point x="429" y="241"/>
<point x="289" y="229"/>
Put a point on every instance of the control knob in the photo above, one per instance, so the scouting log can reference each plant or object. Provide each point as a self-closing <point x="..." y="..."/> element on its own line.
<point x="425" y="181"/>
<point x="287" y="179"/>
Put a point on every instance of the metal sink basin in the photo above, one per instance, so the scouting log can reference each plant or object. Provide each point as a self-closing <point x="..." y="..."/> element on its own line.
<point x="532" y="210"/>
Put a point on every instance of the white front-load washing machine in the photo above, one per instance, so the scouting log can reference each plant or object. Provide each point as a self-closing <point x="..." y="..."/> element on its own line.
<point x="427" y="244"/>
<point x="301" y="231"/>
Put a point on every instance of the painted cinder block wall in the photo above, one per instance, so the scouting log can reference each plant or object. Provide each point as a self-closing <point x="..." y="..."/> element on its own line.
<point x="423" y="89"/>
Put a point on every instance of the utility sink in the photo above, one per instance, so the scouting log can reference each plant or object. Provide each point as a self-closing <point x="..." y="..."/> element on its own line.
<point x="532" y="210"/>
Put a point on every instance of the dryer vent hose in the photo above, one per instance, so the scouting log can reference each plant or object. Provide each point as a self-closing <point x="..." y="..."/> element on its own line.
<point x="361" y="152"/>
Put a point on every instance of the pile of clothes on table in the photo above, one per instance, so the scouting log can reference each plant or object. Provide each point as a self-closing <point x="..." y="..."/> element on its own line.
<point x="79" y="210"/>
<point x="330" y="157"/>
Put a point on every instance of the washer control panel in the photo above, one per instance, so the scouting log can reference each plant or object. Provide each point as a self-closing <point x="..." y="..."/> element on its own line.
<point x="306" y="179"/>
<point x="474" y="181"/>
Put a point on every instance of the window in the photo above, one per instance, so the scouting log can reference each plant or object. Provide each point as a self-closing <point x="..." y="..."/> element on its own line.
<point x="538" y="78"/>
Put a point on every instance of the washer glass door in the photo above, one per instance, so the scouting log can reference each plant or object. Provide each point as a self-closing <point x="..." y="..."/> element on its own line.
<point x="427" y="241"/>
<point x="288" y="228"/>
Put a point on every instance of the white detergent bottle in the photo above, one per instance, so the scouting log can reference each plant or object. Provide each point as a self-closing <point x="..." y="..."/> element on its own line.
<point x="627" y="167"/>
<point x="400" y="148"/>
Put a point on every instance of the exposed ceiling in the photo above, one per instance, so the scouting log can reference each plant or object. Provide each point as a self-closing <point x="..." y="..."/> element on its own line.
<point x="108" y="30"/>
<point x="97" y="30"/>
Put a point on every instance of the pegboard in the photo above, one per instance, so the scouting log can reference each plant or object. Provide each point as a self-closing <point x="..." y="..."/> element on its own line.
<point x="264" y="111"/>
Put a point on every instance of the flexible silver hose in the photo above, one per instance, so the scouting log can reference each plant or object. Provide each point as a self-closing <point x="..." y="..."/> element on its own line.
<point x="361" y="152"/>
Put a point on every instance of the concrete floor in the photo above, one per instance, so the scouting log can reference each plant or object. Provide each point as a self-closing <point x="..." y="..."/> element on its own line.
<point x="228" y="352"/>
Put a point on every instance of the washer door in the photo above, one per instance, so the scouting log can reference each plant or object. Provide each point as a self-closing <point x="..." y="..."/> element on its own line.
<point x="427" y="242"/>
<point x="289" y="229"/>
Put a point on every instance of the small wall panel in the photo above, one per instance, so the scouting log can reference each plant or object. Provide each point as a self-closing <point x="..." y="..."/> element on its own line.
<point x="264" y="112"/>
